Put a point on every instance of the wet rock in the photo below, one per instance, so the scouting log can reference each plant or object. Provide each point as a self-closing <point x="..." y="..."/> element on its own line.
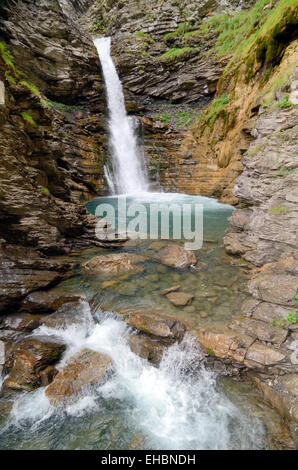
<point x="19" y="322"/>
<point x="114" y="264"/>
<point x="108" y="284"/>
<point x="180" y="299"/>
<point x="147" y="347"/>
<point x="155" y="324"/>
<point x="170" y="289"/>
<point x="176" y="257"/>
<point x="85" y="368"/>
<point x="30" y="357"/>
<point x="47" y="302"/>
<point x="47" y="375"/>
<point x="189" y="309"/>
<point x="282" y="393"/>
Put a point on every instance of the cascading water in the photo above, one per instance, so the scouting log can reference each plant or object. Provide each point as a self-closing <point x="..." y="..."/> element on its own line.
<point x="175" y="406"/>
<point x="129" y="169"/>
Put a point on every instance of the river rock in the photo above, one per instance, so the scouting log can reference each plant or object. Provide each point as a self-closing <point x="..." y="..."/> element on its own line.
<point x="47" y="302"/>
<point x="176" y="256"/>
<point x="180" y="299"/>
<point x="83" y="369"/>
<point x="29" y="358"/>
<point x="147" y="347"/>
<point x="114" y="264"/>
<point x="170" y="289"/>
<point x="155" y="324"/>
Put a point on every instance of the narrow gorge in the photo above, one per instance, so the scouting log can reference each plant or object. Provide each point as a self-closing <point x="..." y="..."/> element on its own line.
<point x="148" y="225"/>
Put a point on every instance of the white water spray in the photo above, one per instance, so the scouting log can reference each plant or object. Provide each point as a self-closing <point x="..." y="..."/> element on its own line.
<point x="129" y="169"/>
<point x="175" y="406"/>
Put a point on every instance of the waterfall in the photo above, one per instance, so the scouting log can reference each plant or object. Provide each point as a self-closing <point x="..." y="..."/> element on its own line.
<point x="129" y="169"/>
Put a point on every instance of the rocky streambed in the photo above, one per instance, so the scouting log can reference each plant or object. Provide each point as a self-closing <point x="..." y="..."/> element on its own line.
<point x="140" y="348"/>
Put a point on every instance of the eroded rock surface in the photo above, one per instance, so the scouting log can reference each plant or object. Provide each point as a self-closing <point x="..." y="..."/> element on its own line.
<point x="29" y="357"/>
<point x="176" y="256"/>
<point x="114" y="264"/>
<point x="85" y="368"/>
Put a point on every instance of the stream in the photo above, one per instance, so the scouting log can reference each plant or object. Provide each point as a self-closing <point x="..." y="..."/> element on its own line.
<point x="183" y="403"/>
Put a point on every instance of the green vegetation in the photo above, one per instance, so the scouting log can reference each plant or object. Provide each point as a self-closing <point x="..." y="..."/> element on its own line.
<point x="28" y="118"/>
<point x="210" y="352"/>
<point x="164" y="118"/>
<point x="179" y="32"/>
<point x="284" y="102"/>
<point x="278" y="210"/>
<point x="176" y="53"/>
<point x="144" y="36"/>
<point x="34" y="90"/>
<point x="45" y="191"/>
<point x="260" y="26"/>
<point x="216" y="109"/>
<point x="292" y="318"/>
<point x="186" y="118"/>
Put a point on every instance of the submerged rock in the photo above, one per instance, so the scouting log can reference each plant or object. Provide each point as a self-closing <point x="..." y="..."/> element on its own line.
<point x="170" y="289"/>
<point x="29" y="358"/>
<point x="114" y="264"/>
<point x="180" y="299"/>
<point x="176" y="256"/>
<point x="85" y="368"/>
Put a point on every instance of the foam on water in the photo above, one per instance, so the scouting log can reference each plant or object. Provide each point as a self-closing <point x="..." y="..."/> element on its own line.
<point x="175" y="406"/>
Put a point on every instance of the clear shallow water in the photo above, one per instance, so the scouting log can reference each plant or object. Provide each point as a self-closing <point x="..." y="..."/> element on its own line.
<point x="218" y="287"/>
<point x="178" y="406"/>
<point x="181" y="405"/>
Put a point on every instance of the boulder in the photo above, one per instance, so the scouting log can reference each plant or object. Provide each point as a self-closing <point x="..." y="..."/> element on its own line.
<point x="176" y="256"/>
<point x="180" y="299"/>
<point x="29" y="357"/>
<point x="47" y="302"/>
<point x="114" y="264"/>
<point x="146" y="347"/>
<point x="85" y="368"/>
<point x="155" y="324"/>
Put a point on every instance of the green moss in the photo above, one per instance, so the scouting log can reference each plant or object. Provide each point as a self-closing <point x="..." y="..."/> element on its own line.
<point x="216" y="109"/>
<point x="144" y="36"/>
<point x="34" y="90"/>
<point x="28" y="118"/>
<point x="176" y="53"/>
<point x="255" y="150"/>
<point x="179" y="32"/>
<point x="210" y="352"/>
<point x="45" y="191"/>
<point x="278" y="210"/>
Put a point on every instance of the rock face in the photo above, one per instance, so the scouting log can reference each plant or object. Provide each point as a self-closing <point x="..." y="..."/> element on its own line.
<point x="51" y="142"/>
<point x="143" y="33"/>
<point x="176" y="256"/>
<point x="29" y="358"/>
<point x="114" y="264"/>
<point x="82" y="370"/>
